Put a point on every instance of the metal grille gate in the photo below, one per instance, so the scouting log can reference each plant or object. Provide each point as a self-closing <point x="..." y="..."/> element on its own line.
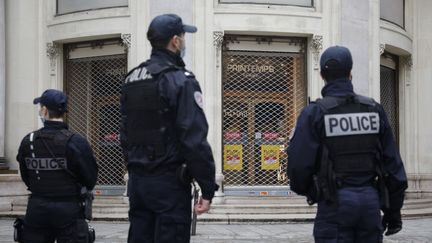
<point x="389" y="97"/>
<point x="93" y="86"/>
<point x="263" y="94"/>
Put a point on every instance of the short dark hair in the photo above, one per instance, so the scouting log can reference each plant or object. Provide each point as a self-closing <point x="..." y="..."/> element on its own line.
<point x="160" y="44"/>
<point x="55" y="114"/>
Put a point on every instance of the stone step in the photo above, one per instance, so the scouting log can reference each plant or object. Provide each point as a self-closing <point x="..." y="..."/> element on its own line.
<point x="262" y="209"/>
<point x="265" y="200"/>
<point x="234" y="209"/>
<point x="111" y="200"/>
<point x="239" y="218"/>
<point x="418" y="203"/>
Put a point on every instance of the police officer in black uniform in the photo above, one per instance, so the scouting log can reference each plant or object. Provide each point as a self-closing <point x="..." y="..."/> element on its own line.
<point x="163" y="127"/>
<point x="55" y="164"/>
<point x="343" y="156"/>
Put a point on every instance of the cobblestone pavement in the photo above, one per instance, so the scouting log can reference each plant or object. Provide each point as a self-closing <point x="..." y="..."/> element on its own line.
<point x="415" y="230"/>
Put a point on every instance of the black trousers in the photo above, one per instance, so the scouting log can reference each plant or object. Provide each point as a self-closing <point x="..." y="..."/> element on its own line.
<point x="47" y="220"/>
<point x="356" y="218"/>
<point x="160" y="209"/>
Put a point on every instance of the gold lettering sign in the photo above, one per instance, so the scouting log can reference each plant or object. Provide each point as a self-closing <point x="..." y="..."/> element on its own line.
<point x="250" y="68"/>
<point x="234" y="113"/>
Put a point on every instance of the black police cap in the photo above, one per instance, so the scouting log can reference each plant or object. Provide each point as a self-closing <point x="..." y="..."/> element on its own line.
<point x="337" y="58"/>
<point x="165" y="26"/>
<point x="53" y="99"/>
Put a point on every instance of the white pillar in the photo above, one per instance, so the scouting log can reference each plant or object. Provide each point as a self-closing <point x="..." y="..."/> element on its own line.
<point x="215" y="86"/>
<point x="2" y="81"/>
<point x="355" y="31"/>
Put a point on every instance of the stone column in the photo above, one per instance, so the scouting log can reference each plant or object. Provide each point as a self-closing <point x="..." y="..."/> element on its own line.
<point x="2" y="83"/>
<point x="217" y="42"/>
<point x="355" y="30"/>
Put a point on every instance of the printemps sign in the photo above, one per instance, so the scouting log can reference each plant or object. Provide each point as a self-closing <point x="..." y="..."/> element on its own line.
<point x="251" y="68"/>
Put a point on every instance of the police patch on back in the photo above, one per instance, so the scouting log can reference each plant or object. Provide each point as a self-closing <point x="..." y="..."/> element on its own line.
<point x="351" y="124"/>
<point x="45" y="163"/>
<point x="138" y="74"/>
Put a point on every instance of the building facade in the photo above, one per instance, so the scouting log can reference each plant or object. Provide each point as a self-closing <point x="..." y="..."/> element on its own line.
<point x="257" y="62"/>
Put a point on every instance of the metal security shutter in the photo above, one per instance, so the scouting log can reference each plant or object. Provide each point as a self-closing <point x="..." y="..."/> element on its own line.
<point x="263" y="94"/>
<point x="93" y="86"/>
<point x="389" y="93"/>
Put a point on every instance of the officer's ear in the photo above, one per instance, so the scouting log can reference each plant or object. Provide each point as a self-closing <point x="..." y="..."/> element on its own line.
<point x="174" y="44"/>
<point x="322" y="76"/>
<point x="178" y="40"/>
<point x="43" y="111"/>
<point x="350" y="75"/>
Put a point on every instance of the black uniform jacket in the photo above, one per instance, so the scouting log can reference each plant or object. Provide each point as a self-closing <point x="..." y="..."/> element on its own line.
<point x="304" y="147"/>
<point x="78" y="154"/>
<point x="181" y="92"/>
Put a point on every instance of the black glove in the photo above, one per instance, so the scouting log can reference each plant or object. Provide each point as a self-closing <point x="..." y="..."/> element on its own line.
<point x="392" y="221"/>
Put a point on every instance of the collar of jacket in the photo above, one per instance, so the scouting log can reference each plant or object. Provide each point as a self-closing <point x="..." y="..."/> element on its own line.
<point x="55" y="125"/>
<point x="338" y="87"/>
<point x="164" y="55"/>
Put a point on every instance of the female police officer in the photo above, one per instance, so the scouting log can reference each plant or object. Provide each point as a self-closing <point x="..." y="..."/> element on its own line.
<point x="55" y="164"/>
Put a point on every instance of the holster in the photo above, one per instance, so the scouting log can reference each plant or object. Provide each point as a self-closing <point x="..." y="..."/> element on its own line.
<point x="18" y="229"/>
<point x="86" y="232"/>
<point x="314" y="194"/>
<point x="183" y="175"/>
<point x="87" y="202"/>
<point x="324" y="182"/>
<point x="382" y="189"/>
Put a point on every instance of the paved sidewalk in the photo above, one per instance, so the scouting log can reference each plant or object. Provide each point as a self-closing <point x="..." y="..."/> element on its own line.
<point x="415" y="231"/>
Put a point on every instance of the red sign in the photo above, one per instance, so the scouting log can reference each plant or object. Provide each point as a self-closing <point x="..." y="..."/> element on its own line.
<point x="270" y="135"/>
<point x="111" y="137"/>
<point x="232" y="135"/>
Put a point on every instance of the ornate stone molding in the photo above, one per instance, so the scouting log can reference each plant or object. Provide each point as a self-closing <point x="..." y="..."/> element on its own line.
<point x="381" y="49"/>
<point x="407" y="60"/>
<point x="126" y="41"/>
<point x="217" y="42"/>
<point x="316" y="46"/>
<point x="52" y="51"/>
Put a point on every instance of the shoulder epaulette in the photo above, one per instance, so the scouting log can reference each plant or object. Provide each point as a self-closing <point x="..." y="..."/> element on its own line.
<point x="329" y="102"/>
<point x="365" y="100"/>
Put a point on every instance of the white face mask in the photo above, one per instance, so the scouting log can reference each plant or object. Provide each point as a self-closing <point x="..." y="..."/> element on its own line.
<point x="41" y="117"/>
<point x="183" y="51"/>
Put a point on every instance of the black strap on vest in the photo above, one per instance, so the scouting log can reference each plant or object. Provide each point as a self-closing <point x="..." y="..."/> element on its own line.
<point x="49" y="181"/>
<point x="340" y="158"/>
<point x="69" y="135"/>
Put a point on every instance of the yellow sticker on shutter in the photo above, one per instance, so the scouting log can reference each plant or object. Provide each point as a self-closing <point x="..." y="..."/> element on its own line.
<point x="270" y="157"/>
<point x="233" y="156"/>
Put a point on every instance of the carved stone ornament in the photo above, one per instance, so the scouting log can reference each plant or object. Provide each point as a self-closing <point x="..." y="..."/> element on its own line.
<point x="381" y="49"/>
<point x="316" y="46"/>
<point x="217" y="42"/>
<point x="218" y="39"/>
<point x="407" y="60"/>
<point x="126" y="40"/>
<point x="52" y="53"/>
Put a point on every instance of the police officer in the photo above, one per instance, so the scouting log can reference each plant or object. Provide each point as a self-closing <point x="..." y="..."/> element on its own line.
<point x="164" y="126"/>
<point x="55" y="164"/>
<point x="343" y="155"/>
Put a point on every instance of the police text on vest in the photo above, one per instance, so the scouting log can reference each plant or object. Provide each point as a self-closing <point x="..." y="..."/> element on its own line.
<point x="45" y="163"/>
<point x="351" y="124"/>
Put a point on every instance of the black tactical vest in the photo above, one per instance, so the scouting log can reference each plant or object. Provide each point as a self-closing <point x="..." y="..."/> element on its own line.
<point x="351" y="135"/>
<point x="149" y="120"/>
<point x="45" y="163"/>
